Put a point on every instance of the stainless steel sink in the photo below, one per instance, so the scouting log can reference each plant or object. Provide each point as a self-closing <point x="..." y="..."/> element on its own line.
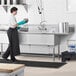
<point x="24" y="29"/>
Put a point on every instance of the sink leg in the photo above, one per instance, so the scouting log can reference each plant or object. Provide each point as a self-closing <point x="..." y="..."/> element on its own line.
<point x="1" y="49"/>
<point x="53" y="53"/>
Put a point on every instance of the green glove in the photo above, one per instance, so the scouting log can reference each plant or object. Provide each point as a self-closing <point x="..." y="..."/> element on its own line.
<point x="21" y="23"/>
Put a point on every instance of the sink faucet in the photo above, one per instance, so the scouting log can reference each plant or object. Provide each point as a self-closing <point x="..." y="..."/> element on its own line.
<point x="42" y="26"/>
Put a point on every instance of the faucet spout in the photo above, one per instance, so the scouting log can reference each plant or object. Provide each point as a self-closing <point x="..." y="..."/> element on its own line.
<point x="42" y="26"/>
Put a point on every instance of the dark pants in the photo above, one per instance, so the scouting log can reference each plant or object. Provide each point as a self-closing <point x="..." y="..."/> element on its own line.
<point x="13" y="48"/>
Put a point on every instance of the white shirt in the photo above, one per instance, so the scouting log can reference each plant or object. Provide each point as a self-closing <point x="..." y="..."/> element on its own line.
<point x="12" y="21"/>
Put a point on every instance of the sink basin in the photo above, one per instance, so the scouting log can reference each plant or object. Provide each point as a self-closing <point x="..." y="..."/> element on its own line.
<point x="24" y="29"/>
<point x="34" y="31"/>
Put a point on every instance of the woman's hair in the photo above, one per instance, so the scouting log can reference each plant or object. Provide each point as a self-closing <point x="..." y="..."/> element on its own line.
<point x="13" y="9"/>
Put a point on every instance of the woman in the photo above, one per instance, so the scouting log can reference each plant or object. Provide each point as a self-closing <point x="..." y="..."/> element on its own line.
<point x="13" y="48"/>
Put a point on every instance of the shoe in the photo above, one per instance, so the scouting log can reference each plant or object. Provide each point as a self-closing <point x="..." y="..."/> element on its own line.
<point x="13" y="60"/>
<point x="4" y="58"/>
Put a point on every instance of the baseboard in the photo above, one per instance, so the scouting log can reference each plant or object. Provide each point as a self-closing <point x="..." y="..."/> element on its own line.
<point x="38" y="54"/>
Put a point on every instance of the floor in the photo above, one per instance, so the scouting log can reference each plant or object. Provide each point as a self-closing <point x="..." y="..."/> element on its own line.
<point x="67" y="70"/>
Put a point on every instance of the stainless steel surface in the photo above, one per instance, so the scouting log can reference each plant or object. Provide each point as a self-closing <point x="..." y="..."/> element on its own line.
<point x="32" y="38"/>
<point x="42" y="26"/>
<point x="24" y="32"/>
<point x="1" y="49"/>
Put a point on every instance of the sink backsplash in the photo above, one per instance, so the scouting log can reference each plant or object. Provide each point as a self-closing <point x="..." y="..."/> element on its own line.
<point x="49" y="28"/>
<point x="34" y="28"/>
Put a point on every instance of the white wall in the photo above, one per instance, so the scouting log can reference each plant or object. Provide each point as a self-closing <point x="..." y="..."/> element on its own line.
<point x="33" y="15"/>
<point x="3" y="16"/>
<point x="55" y="11"/>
